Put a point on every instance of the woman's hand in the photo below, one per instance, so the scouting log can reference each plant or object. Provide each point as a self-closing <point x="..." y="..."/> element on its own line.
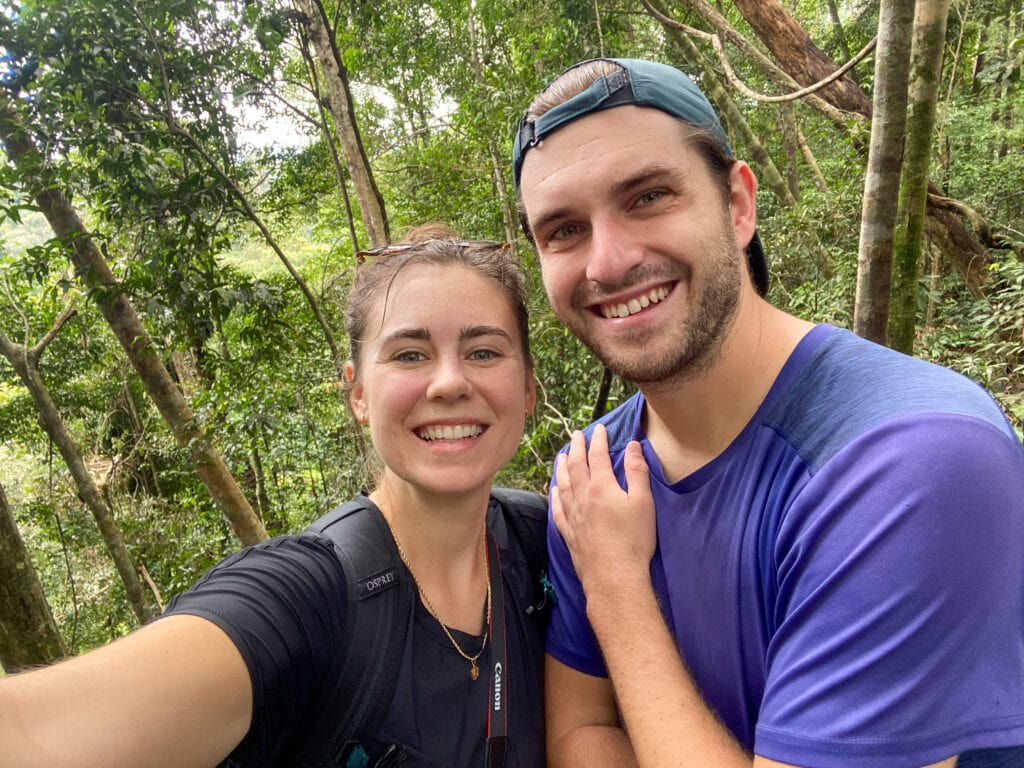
<point x="611" y="533"/>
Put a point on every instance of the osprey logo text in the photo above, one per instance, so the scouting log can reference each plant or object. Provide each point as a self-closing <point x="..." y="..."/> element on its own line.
<point x="375" y="583"/>
<point x="379" y="581"/>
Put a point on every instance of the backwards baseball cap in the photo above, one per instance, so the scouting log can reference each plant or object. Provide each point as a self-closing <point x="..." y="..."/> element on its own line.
<point x="643" y="84"/>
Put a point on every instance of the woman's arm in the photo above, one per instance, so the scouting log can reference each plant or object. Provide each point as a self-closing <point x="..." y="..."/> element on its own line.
<point x="174" y="693"/>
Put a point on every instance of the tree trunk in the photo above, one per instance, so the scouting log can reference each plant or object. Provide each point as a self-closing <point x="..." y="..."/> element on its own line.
<point x="837" y="29"/>
<point x="979" y="57"/>
<point x="1013" y="17"/>
<point x="791" y="145"/>
<point x="324" y="127"/>
<point x="882" y="182"/>
<point x="796" y="52"/>
<point x="26" y="364"/>
<point x="811" y="161"/>
<point x="28" y="633"/>
<point x="100" y="282"/>
<point x="926" y="69"/>
<point x="339" y="102"/>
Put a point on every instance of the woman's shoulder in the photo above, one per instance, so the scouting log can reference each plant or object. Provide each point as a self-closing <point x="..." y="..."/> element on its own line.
<point x="277" y="572"/>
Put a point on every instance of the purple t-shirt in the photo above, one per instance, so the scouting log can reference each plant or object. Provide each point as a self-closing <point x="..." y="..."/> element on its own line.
<point x="846" y="580"/>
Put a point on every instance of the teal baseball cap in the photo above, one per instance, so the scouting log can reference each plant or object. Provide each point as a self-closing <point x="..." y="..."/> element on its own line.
<point x="639" y="83"/>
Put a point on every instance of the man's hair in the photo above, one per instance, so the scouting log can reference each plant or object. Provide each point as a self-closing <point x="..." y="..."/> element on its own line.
<point x="574" y="81"/>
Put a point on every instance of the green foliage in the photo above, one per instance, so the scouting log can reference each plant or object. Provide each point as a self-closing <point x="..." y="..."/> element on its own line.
<point x="138" y="110"/>
<point x="984" y="339"/>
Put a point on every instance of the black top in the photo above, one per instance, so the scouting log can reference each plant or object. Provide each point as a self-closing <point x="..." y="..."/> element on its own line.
<point x="282" y="602"/>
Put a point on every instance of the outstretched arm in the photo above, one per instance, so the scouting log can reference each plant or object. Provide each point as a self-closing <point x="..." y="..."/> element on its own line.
<point x="174" y="693"/>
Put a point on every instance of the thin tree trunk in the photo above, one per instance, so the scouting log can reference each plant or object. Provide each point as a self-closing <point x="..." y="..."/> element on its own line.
<point x="324" y="126"/>
<point x="811" y="161"/>
<point x="25" y="362"/>
<point x="837" y="28"/>
<point x="882" y="181"/>
<point x="601" y="401"/>
<point x="1012" y="33"/>
<point x="339" y="102"/>
<point x="934" y="279"/>
<point x="796" y="52"/>
<point x="979" y="57"/>
<point x="28" y="634"/>
<point x="790" y="143"/>
<point x="96" y="276"/>
<point x="508" y="208"/>
<point x="926" y="69"/>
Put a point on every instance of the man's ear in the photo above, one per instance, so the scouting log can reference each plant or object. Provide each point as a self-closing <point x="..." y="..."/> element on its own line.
<point x="743" y="202"/>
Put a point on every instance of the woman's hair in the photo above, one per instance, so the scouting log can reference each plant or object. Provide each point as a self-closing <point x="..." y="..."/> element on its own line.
<point x="435" y="245"/>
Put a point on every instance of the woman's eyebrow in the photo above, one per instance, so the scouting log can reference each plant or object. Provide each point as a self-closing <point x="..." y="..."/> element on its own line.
<point x="404" y="334"/>
<point x="475" y="331"/>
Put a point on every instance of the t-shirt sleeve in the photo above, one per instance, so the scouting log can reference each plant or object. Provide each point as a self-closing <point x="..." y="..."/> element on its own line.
<point x="282" y="603"/>
<point x="900" y="615"/>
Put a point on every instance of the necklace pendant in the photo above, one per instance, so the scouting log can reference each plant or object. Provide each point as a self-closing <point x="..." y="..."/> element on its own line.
<point x="474" y="670"/>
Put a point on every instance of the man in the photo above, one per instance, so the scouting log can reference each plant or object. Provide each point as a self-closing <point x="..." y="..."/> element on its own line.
<point x="819" y="555"/>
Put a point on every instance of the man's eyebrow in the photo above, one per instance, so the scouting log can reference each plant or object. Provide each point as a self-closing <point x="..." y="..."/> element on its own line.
<point x="644" y="176"/>
<point x="475" y="331"/>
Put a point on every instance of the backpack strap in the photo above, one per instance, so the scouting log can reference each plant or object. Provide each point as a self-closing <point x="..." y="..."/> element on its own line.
<point x="527" y="516"/>
<point x="378" y="606"/>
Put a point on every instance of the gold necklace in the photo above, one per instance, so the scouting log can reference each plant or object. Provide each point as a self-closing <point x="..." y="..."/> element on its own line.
<point x="474" y="670"/>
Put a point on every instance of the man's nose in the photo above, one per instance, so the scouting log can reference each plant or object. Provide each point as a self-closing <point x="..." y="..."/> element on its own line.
<point x="613" y="252"/>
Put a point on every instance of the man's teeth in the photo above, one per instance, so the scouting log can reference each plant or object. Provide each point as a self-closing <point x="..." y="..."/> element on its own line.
<point x="635" y="305"/>
<point x="450" y="432"/>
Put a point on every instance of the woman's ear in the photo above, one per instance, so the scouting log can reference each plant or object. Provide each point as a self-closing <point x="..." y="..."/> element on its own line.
<point x="531" y="390"/>
<point x="356" y="399"/>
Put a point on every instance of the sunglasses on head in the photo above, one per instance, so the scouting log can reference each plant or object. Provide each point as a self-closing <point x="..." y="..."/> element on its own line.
<point x="393" y="249"/>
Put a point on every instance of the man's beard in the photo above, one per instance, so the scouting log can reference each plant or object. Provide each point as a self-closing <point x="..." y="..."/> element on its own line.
<point x="699" y="337"/>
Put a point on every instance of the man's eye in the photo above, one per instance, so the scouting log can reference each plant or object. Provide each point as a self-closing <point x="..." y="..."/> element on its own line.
<point x="651" y="196"/>
<point x="566" y="232"/>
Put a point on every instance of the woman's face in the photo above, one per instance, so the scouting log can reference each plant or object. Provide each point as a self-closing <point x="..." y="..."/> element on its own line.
<point x="442" y="380"/>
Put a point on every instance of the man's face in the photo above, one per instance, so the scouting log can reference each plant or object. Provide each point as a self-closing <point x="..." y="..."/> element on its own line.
<point x="637" y="247"/>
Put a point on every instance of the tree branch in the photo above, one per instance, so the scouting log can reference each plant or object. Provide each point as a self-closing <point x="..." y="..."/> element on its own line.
<point x="36" y="351"/>
<point x="738" y="84"/>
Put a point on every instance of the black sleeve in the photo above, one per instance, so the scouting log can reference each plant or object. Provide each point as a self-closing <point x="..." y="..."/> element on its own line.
<point x="282" y="603"/>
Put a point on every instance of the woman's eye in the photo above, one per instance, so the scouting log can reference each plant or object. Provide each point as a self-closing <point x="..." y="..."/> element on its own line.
<point x="484" y="354"/>
<point x="410" y="356"/>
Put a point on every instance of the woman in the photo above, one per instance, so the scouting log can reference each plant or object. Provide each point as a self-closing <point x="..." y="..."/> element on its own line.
<point x="441" y="373"/>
